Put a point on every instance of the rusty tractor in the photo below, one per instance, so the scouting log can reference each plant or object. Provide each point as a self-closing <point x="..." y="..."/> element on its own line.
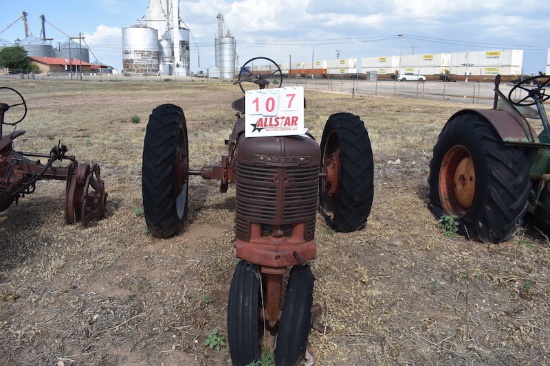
<point x="490" y="168"/>
<point x="85" y="196"/>
<point x="280" y="183"/>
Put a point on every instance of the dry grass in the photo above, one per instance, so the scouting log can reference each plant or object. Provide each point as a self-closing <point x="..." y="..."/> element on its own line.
<point x="396" y="293"/>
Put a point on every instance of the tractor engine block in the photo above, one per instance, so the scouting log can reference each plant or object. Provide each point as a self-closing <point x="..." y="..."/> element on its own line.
<point x="277" y="182"/>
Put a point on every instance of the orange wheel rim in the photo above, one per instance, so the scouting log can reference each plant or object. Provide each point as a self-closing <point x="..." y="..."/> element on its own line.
<point x="457" y="181"/>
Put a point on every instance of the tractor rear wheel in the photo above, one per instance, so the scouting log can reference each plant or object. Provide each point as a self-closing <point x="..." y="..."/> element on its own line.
<point x="347" y="190"/>
<point x="165" y="171"/>
<point x="243" y="315"/>
<point x="295" y="322"/>
<point x="477" y="178"/>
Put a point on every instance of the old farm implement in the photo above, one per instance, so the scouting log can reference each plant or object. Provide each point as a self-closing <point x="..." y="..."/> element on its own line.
<point x="85" y="196"/>
<point x="282" y="179"/>
<point x="490" y="167"/>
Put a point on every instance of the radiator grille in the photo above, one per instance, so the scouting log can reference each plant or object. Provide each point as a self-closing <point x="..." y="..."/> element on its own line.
<point x="258" y="187"/>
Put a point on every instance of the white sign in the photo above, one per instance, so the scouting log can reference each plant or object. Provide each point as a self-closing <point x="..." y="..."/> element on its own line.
<point x="274" y="112"/>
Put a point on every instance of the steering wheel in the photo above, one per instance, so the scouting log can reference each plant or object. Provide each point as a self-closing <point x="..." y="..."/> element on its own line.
<point x="535" y="92"/>
<point x="20" y="101"/>
<point x="261" y="78"/>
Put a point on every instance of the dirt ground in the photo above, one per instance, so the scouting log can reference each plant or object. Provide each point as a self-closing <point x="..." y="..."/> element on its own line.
<point x="398" y="292"/>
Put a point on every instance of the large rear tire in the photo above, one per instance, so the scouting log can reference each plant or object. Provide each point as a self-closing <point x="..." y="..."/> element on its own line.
<point x="243" y="315"/>
<point x="295" y="322"/>
<point x="346" y="193"/>
<point x="165" y="171"/>
<point x="479" y="179"/>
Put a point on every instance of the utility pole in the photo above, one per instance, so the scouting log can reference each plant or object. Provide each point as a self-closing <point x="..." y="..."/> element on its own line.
<point x="80" y="38"/>
<point x="312" y="63"/>
<point x="401" y="52"/>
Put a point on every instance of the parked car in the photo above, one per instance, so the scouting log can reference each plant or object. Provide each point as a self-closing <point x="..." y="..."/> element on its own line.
<point x="411" y="76"/>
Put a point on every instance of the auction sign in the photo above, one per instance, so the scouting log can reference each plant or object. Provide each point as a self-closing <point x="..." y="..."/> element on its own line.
<point x="274" y="112"/>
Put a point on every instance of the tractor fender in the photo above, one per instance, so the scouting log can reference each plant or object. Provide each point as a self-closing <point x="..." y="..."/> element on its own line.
<point x="509" y="127"/>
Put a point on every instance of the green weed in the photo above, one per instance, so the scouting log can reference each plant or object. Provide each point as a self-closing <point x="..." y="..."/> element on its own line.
<point x="135" y="119"/>
<point x="449" y="225"/>
<point x="267" y="359"/>
<point x="214" y="340"/>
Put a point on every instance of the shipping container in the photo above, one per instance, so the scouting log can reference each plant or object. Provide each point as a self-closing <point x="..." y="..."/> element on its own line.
<point x="426" y="64"/>
<point x="213" y="73"/>
<point x="342" y="71"/>
<point x="316" y="65"/>
<point x="505" y="62"/>
<point x="381" y="65"/>
<point x="342" y="63"/>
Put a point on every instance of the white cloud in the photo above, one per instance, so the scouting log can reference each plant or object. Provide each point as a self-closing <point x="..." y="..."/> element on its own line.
<point x="106" y="44"/>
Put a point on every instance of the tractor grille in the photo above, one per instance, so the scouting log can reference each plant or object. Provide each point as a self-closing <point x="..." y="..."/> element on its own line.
<point x="276" y="196"/>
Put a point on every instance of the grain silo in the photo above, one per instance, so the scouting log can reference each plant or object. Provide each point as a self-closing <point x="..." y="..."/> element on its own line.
<point x="166" y="55"/>
<point x="35" y="46"/>
<point x="173" y="36"/>
<point x="140" y="50"/>
<point x="72" y="49"/>
<point x="226" y="48"/>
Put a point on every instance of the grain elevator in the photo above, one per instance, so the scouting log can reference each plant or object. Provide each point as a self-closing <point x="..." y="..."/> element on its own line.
<point x="158" y="43"/>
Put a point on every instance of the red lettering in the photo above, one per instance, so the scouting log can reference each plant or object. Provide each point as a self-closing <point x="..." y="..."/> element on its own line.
<point x="291" y="98"/>
<point x="294" y="120"/>
<point x="270" y="104"/>
<point x="260" y="122"/>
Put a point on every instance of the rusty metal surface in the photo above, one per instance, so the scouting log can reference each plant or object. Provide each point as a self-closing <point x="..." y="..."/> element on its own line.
<point x="273" y="288"/>
<point x="19" y="171"/>
<point x="86" y="198"/>
<point x="276" y="252"/>
<point x="509" y="127"/>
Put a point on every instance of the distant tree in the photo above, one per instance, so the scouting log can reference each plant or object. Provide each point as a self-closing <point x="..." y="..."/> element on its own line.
<point x="14" y="58"/>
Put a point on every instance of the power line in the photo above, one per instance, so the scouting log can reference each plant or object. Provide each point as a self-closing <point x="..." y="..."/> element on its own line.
<point x="474" y="44"/>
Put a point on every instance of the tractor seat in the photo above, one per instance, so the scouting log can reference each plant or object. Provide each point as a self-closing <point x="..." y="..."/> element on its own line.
<point x="238" y="105"/>
<point x="7" y="140"/>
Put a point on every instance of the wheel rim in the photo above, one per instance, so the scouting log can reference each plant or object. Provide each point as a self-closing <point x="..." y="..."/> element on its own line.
<point x="457" y="181"/>
<point x="331" y="167"/>
<point x="181" y="175"/>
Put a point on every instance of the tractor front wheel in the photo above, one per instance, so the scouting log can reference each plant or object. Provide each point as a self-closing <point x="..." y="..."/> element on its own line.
<point x="480" y="180"/>
<point x="243" y="315"/>
<point x="165" y="171"/>
<point x="347" y="188"/>
<point x="295" y="321"/>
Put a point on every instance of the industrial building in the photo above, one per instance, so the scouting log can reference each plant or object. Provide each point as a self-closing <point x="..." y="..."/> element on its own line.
<point x="226" y="51"/>
<point x="159" y="43"/>
<point x="41" y="47"/>
<point x="50" y="65"/>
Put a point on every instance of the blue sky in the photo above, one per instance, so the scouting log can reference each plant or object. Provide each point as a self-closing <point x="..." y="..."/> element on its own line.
<point x="301" y="29"/>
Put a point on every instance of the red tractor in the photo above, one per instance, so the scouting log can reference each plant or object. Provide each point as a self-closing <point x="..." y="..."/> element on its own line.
<point x="490" y="167"/>
<point x="85" y="196"/>
<point x="281" y="182"/>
